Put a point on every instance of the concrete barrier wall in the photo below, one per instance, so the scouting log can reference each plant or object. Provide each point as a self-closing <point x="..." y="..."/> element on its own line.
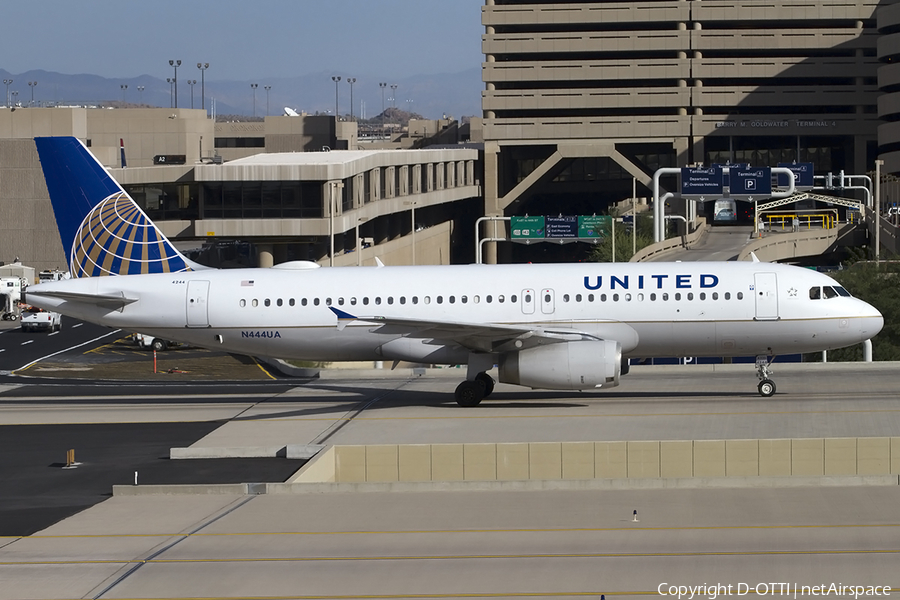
<point x="565" y="461"/>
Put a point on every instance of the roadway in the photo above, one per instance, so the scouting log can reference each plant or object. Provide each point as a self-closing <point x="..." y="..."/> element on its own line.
<point x="721" y="242"/>
<point x="482" y="544"/>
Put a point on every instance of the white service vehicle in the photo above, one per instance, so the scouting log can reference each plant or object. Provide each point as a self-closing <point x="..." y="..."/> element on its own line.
<point x="10" y="293"/>
<point x="38" y="319"/>
<point x="151" y="342"/>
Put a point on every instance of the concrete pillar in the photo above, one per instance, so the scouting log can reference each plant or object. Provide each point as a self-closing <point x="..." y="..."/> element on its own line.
<point x="491" y="197"/>
<point x="265" y="256"/>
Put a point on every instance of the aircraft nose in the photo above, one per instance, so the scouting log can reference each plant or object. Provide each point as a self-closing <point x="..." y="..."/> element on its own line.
<point x="871" y="321"/>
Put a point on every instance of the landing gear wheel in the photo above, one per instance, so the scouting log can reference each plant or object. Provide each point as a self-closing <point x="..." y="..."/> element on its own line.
<point x="487" y="381"/>
<point x="469" y="393"/>
<point x="766" y="388"/>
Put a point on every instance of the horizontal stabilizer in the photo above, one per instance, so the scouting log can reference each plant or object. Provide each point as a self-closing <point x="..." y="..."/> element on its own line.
<point x="110" y="301"/>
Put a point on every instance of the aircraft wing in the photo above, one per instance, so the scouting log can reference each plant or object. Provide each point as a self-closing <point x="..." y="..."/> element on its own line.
<point x="481" y="337"/>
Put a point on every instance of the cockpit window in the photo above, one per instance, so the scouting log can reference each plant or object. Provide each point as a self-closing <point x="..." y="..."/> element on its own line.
<point x="842" y="292"/>
<point x="815" y="293"/>
<point x="829" y="292"/>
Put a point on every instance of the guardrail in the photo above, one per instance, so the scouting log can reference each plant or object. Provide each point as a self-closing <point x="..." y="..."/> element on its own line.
<point x="675" y="243"/>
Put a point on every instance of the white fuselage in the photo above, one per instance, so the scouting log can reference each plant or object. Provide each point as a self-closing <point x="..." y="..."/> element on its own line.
<point x="661" y="309"/>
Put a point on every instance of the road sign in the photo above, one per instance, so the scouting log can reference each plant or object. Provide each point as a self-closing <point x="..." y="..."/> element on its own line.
<point x="561" y="227"/>
<point x="701" y="181"/>
<point x="750" y="181"/>
<point x="803" y="175"/>
<point x="527" y="228"/>
<point x="593" y="226"/>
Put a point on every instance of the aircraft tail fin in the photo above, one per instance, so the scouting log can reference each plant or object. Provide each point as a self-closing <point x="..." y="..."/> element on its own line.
<point x="103" y="230"/>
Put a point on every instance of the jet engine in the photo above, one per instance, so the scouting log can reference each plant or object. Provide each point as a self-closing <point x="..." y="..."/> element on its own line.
<point x="577" y="365"/>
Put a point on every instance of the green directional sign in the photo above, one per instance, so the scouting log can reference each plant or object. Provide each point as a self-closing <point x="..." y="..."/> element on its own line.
<point x="593" y="226"/>
<point x="527" y="228"/>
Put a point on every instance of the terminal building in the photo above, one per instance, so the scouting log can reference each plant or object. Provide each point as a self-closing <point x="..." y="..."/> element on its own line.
<point x="583" y="102"/>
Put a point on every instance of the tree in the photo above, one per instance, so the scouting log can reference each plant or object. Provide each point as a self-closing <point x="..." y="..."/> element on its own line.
<point x="602" y="252"/>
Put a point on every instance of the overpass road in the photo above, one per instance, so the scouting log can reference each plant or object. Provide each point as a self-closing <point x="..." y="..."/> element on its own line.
<point x="720" y="242"/>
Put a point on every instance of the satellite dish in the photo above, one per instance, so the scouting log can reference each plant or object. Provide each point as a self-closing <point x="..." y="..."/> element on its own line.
<point x="290" y="112"/>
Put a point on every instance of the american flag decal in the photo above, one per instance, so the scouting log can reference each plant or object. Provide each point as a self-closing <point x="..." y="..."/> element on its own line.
<point x="247" y="283"/>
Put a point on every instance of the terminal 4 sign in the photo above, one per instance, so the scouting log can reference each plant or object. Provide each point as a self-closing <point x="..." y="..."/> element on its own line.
<point x="750" y="181"/>
<point x="803" y="175"/>
<point x="701" y="181"/>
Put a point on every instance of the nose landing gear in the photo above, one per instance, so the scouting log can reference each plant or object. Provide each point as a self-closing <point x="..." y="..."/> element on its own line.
<point x="766" y="386"/>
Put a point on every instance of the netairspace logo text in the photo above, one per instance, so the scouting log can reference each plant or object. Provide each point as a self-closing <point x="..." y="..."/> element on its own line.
<point x="712" y="591"/>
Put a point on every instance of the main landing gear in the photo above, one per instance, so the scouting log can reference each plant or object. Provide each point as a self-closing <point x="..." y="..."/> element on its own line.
<point x="766" y="386"/>
<point x="472" y="392"/>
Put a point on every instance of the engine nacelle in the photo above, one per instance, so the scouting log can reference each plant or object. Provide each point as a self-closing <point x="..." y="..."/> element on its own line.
<point x="564" y="366"/>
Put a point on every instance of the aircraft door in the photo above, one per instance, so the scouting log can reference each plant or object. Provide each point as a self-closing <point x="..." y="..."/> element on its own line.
<point x="766" y="294"/>
<point x="548" y="301"/>
<point x="528" y="302"/>
<point x="198" y="304"/>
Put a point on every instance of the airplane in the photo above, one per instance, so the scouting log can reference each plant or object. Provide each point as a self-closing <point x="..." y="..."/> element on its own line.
<point x="546" y="326"/>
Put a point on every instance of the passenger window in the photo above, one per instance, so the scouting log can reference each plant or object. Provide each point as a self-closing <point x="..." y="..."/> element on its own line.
<point x="640" y="297"/>
<point x="815" y="293"/>
<point x="565" y="298"/>
<point x="243" y="303"/>
<point x="602" y="297"/>
<point x="463" y="299"/>
<point x="665" y="296"/>
<point x="690" y="296"/>
<point x="279" y="302"/>
<point x="377" y="299"/>
<point x="291" y="302"/>
<point x="402" y="299"/>
<point x="415" y="299"/>
<point x="728" y="295"/>
<point x="316" y="301"/>
<point x="390" y="299"/>
<point x="268" y="302"/>
<point x="703" y="295"/>
<point x="615" y="297"/>
<point x="577" y="297"/>
<point x="303" y="302"/>
<point x="678" y="295"/>
<point x="427" y="299"/>
<point x="652" y="297"/>
<point x="340" y="301"/>
<point x="352" y="301"/>
<point x="255" y="303"/>
<point x="366" y="300"/>
<point x="451" y="299"/>
<point x="327" y="301"/>
<point x="547" y="298"/>
<point x="476" y="299"/>
<point x="440" y="299"/>
<point x="740" y="295"/>
<point x="590" y="297"/>
<point x="488" y="299"/>
<point x="627" y="297"/>
<point x="511" y="299"/>
<point x="715" y="295"/>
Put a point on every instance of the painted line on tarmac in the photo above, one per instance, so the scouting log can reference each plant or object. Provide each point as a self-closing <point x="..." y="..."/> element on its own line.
<point x="77" y="325"/>
<point x="448" y="557"/>
<point x="52" y="334"/>
<point x="475" y="531"/>
<point x="26" y="343"/>
<point x="34" y="362"/>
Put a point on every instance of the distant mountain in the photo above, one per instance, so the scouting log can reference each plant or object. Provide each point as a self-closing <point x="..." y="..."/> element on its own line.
<point x="452" y="94"/>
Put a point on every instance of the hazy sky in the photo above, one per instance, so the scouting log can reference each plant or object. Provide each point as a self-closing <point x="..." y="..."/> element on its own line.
<point x="242" y="39"/>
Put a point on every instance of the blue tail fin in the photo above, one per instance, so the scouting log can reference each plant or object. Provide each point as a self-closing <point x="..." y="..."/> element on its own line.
<point x="103" y="231"/>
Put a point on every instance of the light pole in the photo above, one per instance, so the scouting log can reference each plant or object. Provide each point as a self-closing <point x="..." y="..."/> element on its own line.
<point x="170" y="81"/>
<point x="335" y="185"/>
<point x="175" y="64"/>
<point x="203" y="67"/>
<point x="192" y="83"/>
<point x="15" y="96"/>
<point x="31" y="84"/>
<point x="122" y="87"/>
<point x="394" y="97"/>
<point x="382" y="86"/>
<point x="6" y="82"/>
<point x="351" y="81"/>
<point x="140" y="89"/>
<point x="267" y="88"/>
<point x="412" y="209"/>
<point x="336" y="79"/>
<point x="253" y="87"/>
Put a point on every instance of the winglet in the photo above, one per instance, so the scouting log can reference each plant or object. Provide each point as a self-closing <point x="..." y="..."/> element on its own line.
<point x="378" y="262"/>
<point x="753" y="257"/>
<point x="343" y="318"/>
